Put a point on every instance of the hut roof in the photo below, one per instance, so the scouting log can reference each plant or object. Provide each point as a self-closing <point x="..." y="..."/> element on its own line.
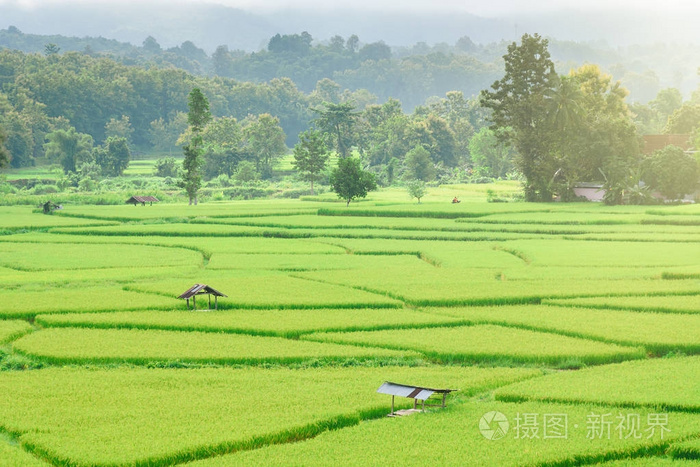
<point x="198" y="289"/>
<point x="413" y="392"/>
<point x="142" y="199"/>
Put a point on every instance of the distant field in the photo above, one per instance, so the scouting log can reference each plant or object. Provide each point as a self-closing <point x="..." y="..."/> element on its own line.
<point x="574" y="310"/>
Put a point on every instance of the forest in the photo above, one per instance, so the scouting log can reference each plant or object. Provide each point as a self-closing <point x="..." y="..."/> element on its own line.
<point x="420" y="116"/>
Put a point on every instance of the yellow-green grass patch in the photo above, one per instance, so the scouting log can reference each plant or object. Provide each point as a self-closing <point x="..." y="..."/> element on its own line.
<point x="484" y="343"/>
<point x="662" y="304"/>
<point x="668" y="383"/>
<point x="12" y="329"/>
<point x="26" y="304"/>
<point x="453" y="437"/>
<point x="23" y="218"/>
<point x="686" y="450"/>
<point x="298" y="262"/>
<point x="43" y="256"/>
<point x="265" y="289"/>
<point x="15" y="456"/>
<point x="657" y="332"/>
<point x="161" y="417"/>
<point x="287" y="323"/>
<point x="452" y="286"/>
<point x="184" y="211"/>
<point x="88" y="277"/>
<point x="78" y="345"/>
<point x="648" y="462"/>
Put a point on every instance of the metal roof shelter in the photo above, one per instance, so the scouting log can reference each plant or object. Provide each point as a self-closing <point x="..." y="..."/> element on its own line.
<point x="201" y="289"/>
<point x="417" y="393"/>
<point x="142" y="200"/>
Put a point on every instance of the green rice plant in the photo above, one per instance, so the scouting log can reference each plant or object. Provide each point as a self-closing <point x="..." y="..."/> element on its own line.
<point x="483" y="343"/>
<point x="14" y="455"/>
<point x="645" y="237"/>
<point x="298" y="262"/>
<point x="658" y="303"/>
<point x="686" y="450"/>
<point x="431" y="286"/>
<point x="42" y="256"/>
<point x="162" y="417"/>
<point x="77" y="345"/>
<point x="665" y="384"/>
<point x="577" y="254"/>
<point x="658" y="333"/>
<point x="266" y="289"/>
<point x="285" y="323"/>
<point x="181" y="211"/>
<point x="453" y="437"/>
<point x="12" y="329"/>
<point x="24" y="218"/>
<point x="10" y="278"/>
<point x="558" y="218"/>
<point x="27" y="304"/>
<point x="648" y="462"/>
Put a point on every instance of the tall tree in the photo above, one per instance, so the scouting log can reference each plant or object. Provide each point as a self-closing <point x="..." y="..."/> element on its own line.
<point x="69" y="147"/>
<point x="418" y="165"/>
<point x="197" y="117"/>
<point x="350" y="181"/>
<point x="4" y="153"/>
<point x="337" y="122"/>
<point x="264" y="140"/>
<point x="520" y="113"/>
<point x="113" y="157"/>
<point x="310" y="156"/>
<point x="671" y="171"/>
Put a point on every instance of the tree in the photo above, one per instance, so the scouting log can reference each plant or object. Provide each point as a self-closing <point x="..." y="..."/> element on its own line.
<point x="165" y="167"/>
<point x="418" y="165"/>
<point x="337" y="122"/>
<point x="490" y="156"/>
<point x="4" y="153"/>
<point x="69" y="147"/>
<point x="264" y="141"/>
<point x="197" y="117"/>
<point x="350" y="181"/>
<point x="672" y="172"/>
<point x="51" y="49"/>
<point x="416" y="189"/>
<point x="310" y="156"/>
<point x="113" y="157"/>
<point x="520" y="114"/>
<point x="683" y="120"/>
<point x="119" y="129"/>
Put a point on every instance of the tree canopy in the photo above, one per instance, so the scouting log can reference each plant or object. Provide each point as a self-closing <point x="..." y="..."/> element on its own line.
<point x="349" y="181"/>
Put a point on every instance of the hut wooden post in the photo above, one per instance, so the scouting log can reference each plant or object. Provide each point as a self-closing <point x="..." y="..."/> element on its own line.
<point x="392" y="405"/>
<point x="194" y="302"/>
<point x="216" y="302"/>
<point x="188" y="300"/>
<point x="209" y="301"/>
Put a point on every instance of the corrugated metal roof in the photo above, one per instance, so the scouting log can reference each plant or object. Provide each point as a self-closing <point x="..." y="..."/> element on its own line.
<point x="413" y="392"/>
<point x="200" y="289"/>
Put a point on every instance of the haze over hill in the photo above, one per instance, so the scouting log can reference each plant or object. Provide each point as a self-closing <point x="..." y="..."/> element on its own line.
<point x="249" y="26"/>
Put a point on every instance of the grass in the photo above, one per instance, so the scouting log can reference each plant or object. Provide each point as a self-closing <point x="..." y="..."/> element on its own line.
<point x="76" y="345"/>
<point x="659" y="304"/>
<point x="452" y="437"/>
<point x="484" y="343"/>
<point x="160" y="417"/>
<point x="658" y="333"/>
<point x="27" y="304"/>
<point x="13" y="329"/>
<point x="686" y="450"/>
<point x="250" y="289"/>
<point x="283" y="323"/>
<point x="667" y="384"/>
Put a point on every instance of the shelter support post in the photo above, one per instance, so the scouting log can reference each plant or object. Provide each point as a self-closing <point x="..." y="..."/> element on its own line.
<point x="392" y="405"/>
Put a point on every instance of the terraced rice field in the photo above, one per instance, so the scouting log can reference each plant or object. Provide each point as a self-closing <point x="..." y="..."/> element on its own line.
<point x="570" y="332"/>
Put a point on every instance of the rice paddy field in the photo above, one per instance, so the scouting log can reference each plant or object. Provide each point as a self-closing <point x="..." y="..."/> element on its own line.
<point x="569" y="333"/>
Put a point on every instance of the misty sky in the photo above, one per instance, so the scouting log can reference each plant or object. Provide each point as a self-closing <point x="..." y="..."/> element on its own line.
<point x="479" y="7"/>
